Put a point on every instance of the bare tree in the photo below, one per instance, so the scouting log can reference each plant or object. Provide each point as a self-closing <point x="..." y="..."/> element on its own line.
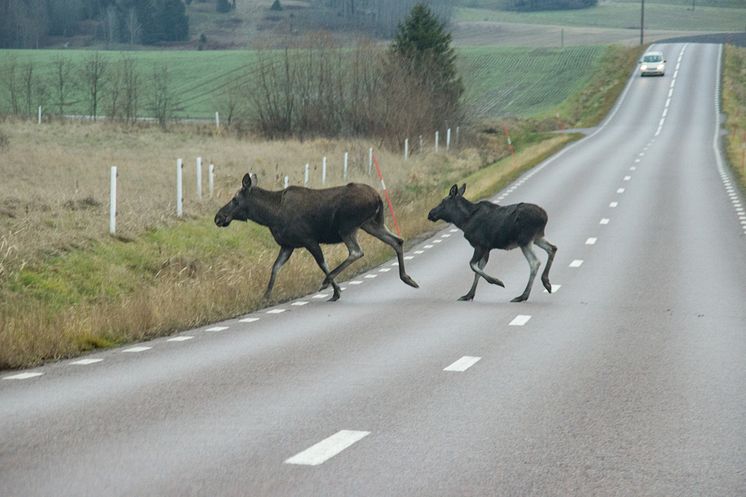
<point x="94" y="73"/>
<point x="61" y="82"/>
<point x="11" y="85"/>
<point x="162" y="100"/>
<point x="130" y="88"/>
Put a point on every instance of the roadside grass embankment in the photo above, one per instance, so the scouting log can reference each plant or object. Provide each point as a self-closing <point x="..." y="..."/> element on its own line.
<point x="734" y="106"/>
<point x="67" y="287"/>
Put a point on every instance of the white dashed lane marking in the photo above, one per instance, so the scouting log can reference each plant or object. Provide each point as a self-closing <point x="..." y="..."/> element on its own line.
<point x="620" y="190"/>
<point x="179" y="339"/>
<point x="519" y="320"/>
<point x="22" y="376"/>
<point x="613" y="204"/>
<point x="591" y="241"/>
<point x="604" y="221"/>
<point x="327" y="448"/>
<point x="576" y="263"/>
<point x="136" y="349"/>
<point x="462" y="364"/>
<point x="300" y="303"/>
<point x="251" y="320"/>
<point x="218" y="328"/>
<point x="276" y="311"/>
<point x="86" y="362"/>
<point x="384" y="270"/>
<point x="320" y="296"/>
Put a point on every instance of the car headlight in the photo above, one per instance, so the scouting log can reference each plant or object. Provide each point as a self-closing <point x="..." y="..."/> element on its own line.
<point x="644" y="67"/>
<point x="660" y="67"/>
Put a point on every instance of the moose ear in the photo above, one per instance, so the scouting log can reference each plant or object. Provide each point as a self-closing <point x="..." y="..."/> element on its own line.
<point x="454" y="191"/>
<point x="246" y="183"/>
<point x="462" y="190"/>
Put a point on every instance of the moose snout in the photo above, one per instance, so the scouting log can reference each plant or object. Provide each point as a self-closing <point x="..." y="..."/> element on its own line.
<point x="222" y="220"/>
<point x="432" y="216"/>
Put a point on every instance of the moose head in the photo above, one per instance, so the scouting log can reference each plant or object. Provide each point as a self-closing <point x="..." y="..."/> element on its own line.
<point x="449" y="208"/>
<point x="238" y="207"/>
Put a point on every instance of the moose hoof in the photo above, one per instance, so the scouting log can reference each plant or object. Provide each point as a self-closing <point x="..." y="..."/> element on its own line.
<point x="547" y="285"/>
<point x="409" y="281"/>
<point x="334" y="298"/>
<point x="497" y="282"/>
<point x="520" y="298"/>
<point x="466" y="298"/>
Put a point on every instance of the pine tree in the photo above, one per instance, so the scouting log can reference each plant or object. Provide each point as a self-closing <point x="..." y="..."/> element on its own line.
<point x="423" y="46"/>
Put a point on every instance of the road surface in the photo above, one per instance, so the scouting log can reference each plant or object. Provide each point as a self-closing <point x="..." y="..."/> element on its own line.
<point x="630" y="379"/>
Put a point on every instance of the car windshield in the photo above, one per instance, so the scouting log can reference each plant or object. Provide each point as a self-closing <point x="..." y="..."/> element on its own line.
<point x="652" y="58"/>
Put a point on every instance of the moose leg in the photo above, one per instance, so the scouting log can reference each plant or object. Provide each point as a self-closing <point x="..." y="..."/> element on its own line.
<point x="282" y="258"/>
<point x="533" y="263"/>
<point x="550" y="250"/>
<point x="380" y="231"/>
<point x="318" y="255"/>
<point x="355" y="253"/>
<point x="479" y="254"/>
<point x="473" y="289"/>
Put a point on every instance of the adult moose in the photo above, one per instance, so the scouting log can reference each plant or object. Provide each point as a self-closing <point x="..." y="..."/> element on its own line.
<point x="488" y="226"/>
<point x="303" y="217"/>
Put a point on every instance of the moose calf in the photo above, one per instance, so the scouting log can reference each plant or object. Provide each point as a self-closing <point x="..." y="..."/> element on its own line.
<point x="488" y="226"/>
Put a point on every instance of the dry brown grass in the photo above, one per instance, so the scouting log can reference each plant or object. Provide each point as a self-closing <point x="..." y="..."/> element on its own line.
<point x="67" y="286"/>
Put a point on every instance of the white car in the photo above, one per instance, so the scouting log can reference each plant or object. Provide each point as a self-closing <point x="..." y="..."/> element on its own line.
<point x="653" y="64"/>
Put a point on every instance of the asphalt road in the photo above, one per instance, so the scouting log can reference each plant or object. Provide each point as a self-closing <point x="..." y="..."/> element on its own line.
<point x="629" y="380"/>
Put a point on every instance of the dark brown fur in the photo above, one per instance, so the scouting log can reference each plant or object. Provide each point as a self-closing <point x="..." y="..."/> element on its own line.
<point x="305" y="218"/>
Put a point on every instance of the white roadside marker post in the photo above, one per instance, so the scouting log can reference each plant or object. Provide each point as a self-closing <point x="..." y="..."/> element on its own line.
<point x="113" y="202"/>
<point x="179" y="188"/>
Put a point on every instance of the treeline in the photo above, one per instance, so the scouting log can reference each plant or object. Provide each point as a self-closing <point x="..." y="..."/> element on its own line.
<point x="30" y="23"/>
<point x="382" y="17"/>
<point x="120" y="90"/>
<point x="322" y="88"/>
<point x="535" y="5"/>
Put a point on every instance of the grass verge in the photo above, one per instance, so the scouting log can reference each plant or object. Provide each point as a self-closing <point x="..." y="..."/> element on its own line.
<point x="734" y="106"/>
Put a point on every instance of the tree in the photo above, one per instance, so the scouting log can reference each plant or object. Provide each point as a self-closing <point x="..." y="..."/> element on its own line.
<point x="94" y="72"/>
<point x="422" y="47"/>
<point x="173" y="20"/>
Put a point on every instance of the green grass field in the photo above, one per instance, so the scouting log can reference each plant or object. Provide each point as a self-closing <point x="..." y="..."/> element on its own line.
<point x="659" y="15"/>
<point x="499" y="81"/>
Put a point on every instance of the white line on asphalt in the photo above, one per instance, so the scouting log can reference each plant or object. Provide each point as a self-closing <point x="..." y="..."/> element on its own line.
<point x="251" y="320"/>
<point x="576" y="263"/>
<point x="591" y="241"/>
<point x="394" y="264"/>
<point x="418" y="252"/>
<point x="453" y="230"/>
<point x="177" y="339"/>
<point x="276" y="311"/>
<point x="371" y="276"/>
<point x="137" y="349"/>
<point x="620" y="190"/>
<point x="555" y="288"/>
<point x="668" y="101"/>
<point x="86" y="362"/>
<point x="670" y="93"/>
<point x="384" y="270"/>
<point x="462" y="364"/>
<point x="604" y="221"/>
<point x="356" y="282"/>
<point x="627" y="178"/>
<point x="219" y="328"/>
<point x="633" y="168"/>
<point x="445" y="235"/>
<point x="437" y="241"/>
<point x="519" y="320"/>
<point x="408" y="257"/>
<point x="320" y="296"/>
<point x="22" y="376"/>
<point x="428" y="246"/>
<point x="300" y="303"/>
<point x="327" y="448"/>
<point x="613" y="204"/>
<point x="665" y="112"/>
<point x="637" y="161"/>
